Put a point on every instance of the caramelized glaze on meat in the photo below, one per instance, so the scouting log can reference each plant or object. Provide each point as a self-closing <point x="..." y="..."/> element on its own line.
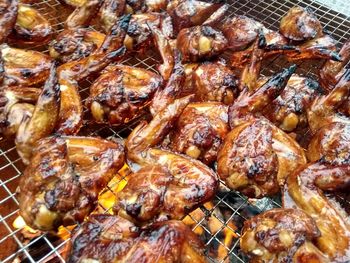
<point x="288" y="110"/>
<point x="200" y="130"/>
<point x="332" y="70"/>
<point x="74" y="44"/>
<point x="62" y="182"/>
<point x="31" y="27"/>
<point x="256" y="157"/>
<point x="109" y="13"/>
<point x="179" y="183"/>
<point x="119" y="95"/>
<point x="281" y="235"/>
<point x="82" y="15"/>
<point x="200" y="42"/>
<point x="8" y="15"/>
<point x="43" y="120"/>
<point x="115" y="239"/>
<point x="215" y="82"/>
<point x="240" y="31"/>
<point x="189" y="13"/>
<point x="71" y="110"/>
<point x="24" y="67"/>
<point x="300" y="24"/>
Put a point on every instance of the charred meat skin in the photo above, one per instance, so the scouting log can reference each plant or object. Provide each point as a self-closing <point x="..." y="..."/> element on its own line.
<point x="24" y="67"/>
<point x="109" y="13"/>
<point x="120" y="94"/>
<point x="300" y="24"/>
<point x="82" y="15"/>
<point x="200" y="42"/>
<point x="200" y="130"/>
<point x="62" y="182"/>
<point x="289" y="110"/>
<point x="8" y="16"/>
<point x="281" y="235"/>
<point x="112" y="238"/>
<point x="75" y="44"/>
<point x="31" y="27"/>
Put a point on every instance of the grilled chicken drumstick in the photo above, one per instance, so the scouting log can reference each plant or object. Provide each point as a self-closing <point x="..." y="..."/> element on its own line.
<point x="178" y="183"/>
<point x="62" y="182"/>
<point x="115" y="239"/>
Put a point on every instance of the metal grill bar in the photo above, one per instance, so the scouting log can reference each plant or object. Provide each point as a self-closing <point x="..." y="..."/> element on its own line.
<point x="11" y="167"/>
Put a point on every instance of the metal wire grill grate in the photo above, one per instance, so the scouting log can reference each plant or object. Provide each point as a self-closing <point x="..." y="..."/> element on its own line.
<point x="233" y="207"/>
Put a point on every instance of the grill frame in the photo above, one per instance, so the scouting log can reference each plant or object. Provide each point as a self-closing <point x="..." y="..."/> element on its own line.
<point x="11" y="167"/>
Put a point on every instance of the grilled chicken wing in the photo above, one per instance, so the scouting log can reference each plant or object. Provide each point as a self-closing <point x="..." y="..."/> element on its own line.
<point x="119" y="95"/>
<point x="215" y="82"/>
<point x="256" y="157"/>
<point x="82" y="15"/>
<point x="200" y="130"/>
<point x="332" y="70"/>
<point x="172" y="89"/>
<point x="288" y="110"/>
<point x="139" y="35"/>
<point x="31" y="27"/>
<point x="281" y="235"/>
<point x="70" y="118"/>
<point x="62" y="182"/>
<point x="179" y="184"/>
<point x="16" y="105"/>
<point x="305" y="191"/>
<point x="200" y="42"/>
<point x="74" y="44"/>
<point x="43" y="120"/>
<point x="275" y="43"/>
<point x="115" y="239"/>
<point x="189" y="13"/>
<point x="24" y="67"/>
<point x="322" y="47"/>
<point x="109" y="13"/>
<point x="300" y="24"/>
<point x="8" y="15"/>
<point x="240" y="31"/>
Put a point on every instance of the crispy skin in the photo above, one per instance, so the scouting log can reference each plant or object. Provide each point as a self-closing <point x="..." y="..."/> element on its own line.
<point x="256" y="158"/>
<point x="300" y="24"/>
<point x="119" y="95"/>
<point x="71" y="110"/>
<point x="16" y="105"/>
<point x="240" y="31"/>
<point x="43" y="120"/>
<point x="31" y="27"/>
<point x="181" y="183"/>
<point x="75" y="44"/>
<point x="172" y="89"/>
<point x="8" y="15"/>
<point x="156" y="5"/>
<point x="109" y="13"/>
<point x="200" y="42"/>
<point x="281" y="235"/>
<point x="62" y="182"/>
<point x="111" y="238"/>
<point x="305" y="191"/>
<point x="82" y="15"/>
<point x="200" y="130"/>
<point x="321" y="47"/>
<point x="332" y="70"/>
<point x="215" y="82"/>
<point x="288" y="110"/>
<point x="189" y="13"/>
<point x="24" y="67"/>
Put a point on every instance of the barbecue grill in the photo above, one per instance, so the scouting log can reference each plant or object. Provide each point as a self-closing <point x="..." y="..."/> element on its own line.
<point x="18" y="243"/>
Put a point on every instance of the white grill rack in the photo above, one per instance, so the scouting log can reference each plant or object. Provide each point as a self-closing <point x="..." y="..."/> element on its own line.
<point x="46" y="248"/>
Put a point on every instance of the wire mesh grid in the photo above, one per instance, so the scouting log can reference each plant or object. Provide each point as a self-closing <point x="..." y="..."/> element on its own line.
<point x="234" y="208"/>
